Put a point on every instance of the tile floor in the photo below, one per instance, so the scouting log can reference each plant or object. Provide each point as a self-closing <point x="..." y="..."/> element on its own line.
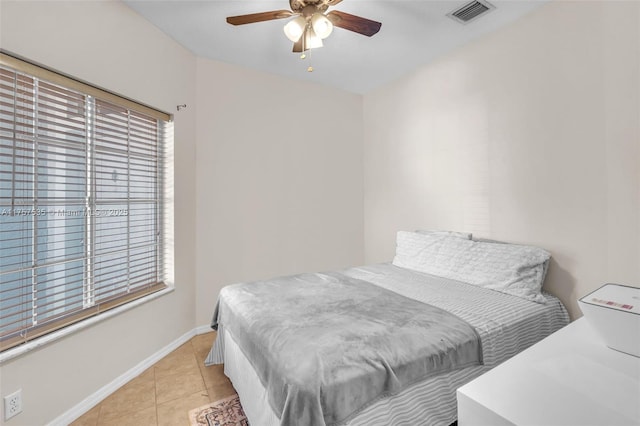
<point x="163" y="394"/>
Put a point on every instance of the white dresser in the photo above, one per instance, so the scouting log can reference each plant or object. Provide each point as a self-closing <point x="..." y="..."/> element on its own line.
<point x="569" y="378"/>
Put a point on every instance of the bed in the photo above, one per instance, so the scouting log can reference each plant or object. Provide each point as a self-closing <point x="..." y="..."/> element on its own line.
<point x="384" y="344"/>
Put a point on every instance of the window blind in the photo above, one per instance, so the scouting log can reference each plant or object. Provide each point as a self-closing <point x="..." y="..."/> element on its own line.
<point x="81" y="201"/>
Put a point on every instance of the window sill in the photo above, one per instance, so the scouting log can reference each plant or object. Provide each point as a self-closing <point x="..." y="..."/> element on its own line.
<point x="12" y="353"/>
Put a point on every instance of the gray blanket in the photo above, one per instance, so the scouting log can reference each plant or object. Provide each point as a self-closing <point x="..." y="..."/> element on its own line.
<point x="325" y="346"/>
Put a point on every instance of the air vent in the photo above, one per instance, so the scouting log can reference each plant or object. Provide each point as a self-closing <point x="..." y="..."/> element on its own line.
<point x="471" y="11"/>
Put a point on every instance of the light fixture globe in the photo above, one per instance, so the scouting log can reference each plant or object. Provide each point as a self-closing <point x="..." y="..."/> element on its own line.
<point x="321" y="25"/>
<point x="311" y="39"/>
<point x="295" y="28"/>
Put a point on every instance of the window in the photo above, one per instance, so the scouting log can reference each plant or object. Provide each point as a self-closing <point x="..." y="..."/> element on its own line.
<point x="81" y="201"/>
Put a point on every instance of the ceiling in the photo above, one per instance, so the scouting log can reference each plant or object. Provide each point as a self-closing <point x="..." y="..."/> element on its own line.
<point x="413" y="33"/>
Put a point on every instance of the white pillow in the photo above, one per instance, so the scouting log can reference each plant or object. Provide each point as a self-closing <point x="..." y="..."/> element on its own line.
<point x="488" y="240"/>
<point x="509" y="268"/>
<point x="463" y="235"/>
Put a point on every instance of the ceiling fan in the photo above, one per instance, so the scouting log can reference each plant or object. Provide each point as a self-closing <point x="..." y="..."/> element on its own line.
<point x="311" y="24"/>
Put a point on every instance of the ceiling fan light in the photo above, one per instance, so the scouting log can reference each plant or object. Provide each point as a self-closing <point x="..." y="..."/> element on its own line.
<point x="321" y="25"/>
<point x="294" y="28"/>
<point x="311" y="39"/>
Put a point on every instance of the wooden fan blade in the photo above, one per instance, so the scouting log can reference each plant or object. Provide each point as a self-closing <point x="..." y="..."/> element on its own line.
<point x="259" y="17"/>
<point x="354" y="23"/>
<point x="333" y="2"/>
<point x="297" y="46"/>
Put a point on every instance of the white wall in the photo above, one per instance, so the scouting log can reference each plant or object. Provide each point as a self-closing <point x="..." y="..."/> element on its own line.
<point x="529" y="135"/>
<point x="279" y="178"/>
<point x="109" y="45"/>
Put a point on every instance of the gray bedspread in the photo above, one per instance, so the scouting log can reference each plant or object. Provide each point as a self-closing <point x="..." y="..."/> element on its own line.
<point x="325" y="346"/>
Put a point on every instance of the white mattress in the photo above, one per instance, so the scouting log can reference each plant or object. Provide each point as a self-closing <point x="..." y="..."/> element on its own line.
<point x="506" y="325"/>
<point x="430" y="402"/>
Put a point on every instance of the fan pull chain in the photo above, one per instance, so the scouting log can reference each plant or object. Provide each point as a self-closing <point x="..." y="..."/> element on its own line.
<point x="310" y="68"/>
<point x="304" y="39"/>
<point x="303" y="55"/>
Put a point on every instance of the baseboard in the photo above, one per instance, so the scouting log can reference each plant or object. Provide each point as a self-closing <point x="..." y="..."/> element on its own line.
<point x="203" y="329"/>
<point x="94" y="399"/>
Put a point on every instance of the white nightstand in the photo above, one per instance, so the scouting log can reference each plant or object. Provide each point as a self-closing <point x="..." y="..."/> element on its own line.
<point x="569" y="378"/>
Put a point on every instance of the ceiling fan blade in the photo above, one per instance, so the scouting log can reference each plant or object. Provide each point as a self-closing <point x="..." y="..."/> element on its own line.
<point x="354" y="23"/>
<point x="333" y="2"/>
<point x="258" y="17"/>
<point x="297" y="46"/>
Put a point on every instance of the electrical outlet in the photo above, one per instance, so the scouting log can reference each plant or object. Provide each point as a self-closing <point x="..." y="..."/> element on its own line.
<point x="13" y="404"/>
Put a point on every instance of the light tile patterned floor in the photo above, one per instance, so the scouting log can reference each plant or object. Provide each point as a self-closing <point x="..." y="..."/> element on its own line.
<point x="163" y="394"/>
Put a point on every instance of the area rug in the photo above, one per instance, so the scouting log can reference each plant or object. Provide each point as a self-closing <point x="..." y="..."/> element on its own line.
<point x="225" y="412"/>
